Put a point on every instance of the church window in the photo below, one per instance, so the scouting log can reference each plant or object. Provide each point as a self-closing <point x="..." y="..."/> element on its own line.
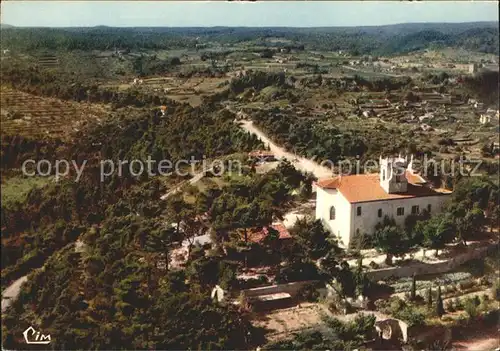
<point x="332" y="213"/>
<point x="400" y="211"/>
<point x="358" y="211"/>
<point x="383" y="174"/>
<point x="415" y="209"/>
<point x="379" y="213"/>
<point x="429" y="207"/>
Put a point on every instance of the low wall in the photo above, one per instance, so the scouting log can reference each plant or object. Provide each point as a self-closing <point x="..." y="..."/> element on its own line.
<point x="431" y="268"/>
<point x="290" y="288"/>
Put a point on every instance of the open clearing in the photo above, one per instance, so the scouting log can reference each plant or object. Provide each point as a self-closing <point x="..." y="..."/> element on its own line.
<point x="16" y="189"/>
<point x="282" y="323"/>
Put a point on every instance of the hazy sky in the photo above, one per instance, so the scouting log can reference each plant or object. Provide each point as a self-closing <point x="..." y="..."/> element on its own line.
<point x="221" y="13"/>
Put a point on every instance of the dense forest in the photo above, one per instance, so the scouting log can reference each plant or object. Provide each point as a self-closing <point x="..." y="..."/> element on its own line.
<point x="112" y="295"/>
<point x="484" y="86"/>
<point x="481" y="36"/>
<point x="62" y="209"/>
<point x="121" y="221"/>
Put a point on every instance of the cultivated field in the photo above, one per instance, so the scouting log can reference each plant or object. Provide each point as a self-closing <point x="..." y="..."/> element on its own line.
<point x="30" y="115"/>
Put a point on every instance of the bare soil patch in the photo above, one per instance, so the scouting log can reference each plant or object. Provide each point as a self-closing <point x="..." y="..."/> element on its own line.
<point x="283" y="323"/>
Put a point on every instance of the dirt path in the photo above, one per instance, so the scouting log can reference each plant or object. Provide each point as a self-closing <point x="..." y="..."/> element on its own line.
<point x="11" y="292"/>
<point x="301" y="163"/>
<point x="488" y="340"/>
<point x="196" y="178"/>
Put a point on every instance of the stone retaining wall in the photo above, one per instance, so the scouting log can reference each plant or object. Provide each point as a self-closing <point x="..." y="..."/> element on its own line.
<point x="290" y="288"/>
<point x="431" y="268"/>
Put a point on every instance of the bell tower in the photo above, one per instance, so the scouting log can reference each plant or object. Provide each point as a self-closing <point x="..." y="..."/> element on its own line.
<point x="392" y="174"/>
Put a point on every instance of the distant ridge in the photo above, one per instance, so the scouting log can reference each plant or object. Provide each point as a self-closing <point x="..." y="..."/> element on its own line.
<point x="361" y="40"/>
<point x="411" y="26"/>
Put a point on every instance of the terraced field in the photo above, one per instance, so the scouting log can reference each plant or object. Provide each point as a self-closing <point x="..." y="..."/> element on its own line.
<point x="190" y="90"/>
<point x="36" y="116"/>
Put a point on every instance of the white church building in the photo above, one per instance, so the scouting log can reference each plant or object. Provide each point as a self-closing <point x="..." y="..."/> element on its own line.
<point x="350" y="205"/>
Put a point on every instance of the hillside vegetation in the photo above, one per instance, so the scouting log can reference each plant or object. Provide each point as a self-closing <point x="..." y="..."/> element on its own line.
<point x="480" y="36"/>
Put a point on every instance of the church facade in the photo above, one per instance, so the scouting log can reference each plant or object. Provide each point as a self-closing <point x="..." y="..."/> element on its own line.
<point x="355" y="204"/>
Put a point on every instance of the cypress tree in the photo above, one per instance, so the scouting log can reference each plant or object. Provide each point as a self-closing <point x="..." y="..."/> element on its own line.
<point x="413" y="292"/>
<point x="439" y="304"/>
<point x="429" y="297"/>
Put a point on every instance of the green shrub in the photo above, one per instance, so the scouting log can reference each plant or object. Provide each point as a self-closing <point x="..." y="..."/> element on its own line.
<point x="411" y="316"/>
<point x="449" y="306"/>
<point x="308" y="293"/>
<point x="458" y="304"/>
<point x="470" y="308"/>
<point x="396" y="305"/>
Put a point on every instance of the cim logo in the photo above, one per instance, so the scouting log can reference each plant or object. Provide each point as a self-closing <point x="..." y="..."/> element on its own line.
<point x="31" y="336"/>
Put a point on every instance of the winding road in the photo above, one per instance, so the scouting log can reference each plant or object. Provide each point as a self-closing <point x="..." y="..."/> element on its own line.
<point x="11" y="292"/>
<point x="301" y="163"/>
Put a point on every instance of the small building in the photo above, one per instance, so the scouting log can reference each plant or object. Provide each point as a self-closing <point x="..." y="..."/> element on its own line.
<point x="426" y="128"/>
<point x="257" y="235"/>
<point x="217" y="294"/>
<point x="241" y="73"/>
<point x="163" y="110"/>
<point x="262" y="156"/>
<point x="368" y="113"/>
<point x="426" y="117"/>
<point x="489" y="117"/>
<point x="485" y="118"/>
<point x="496" y="147"/>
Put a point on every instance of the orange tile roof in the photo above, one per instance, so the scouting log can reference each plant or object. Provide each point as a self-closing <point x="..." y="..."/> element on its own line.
<point x="257" y="235"/>
<point x="366" y="187"/>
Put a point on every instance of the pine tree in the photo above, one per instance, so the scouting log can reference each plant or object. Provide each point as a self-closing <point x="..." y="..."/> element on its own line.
<point x="413" y="292"/>
<point x="439" y="304"/>
<point x="429" y="297"/>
